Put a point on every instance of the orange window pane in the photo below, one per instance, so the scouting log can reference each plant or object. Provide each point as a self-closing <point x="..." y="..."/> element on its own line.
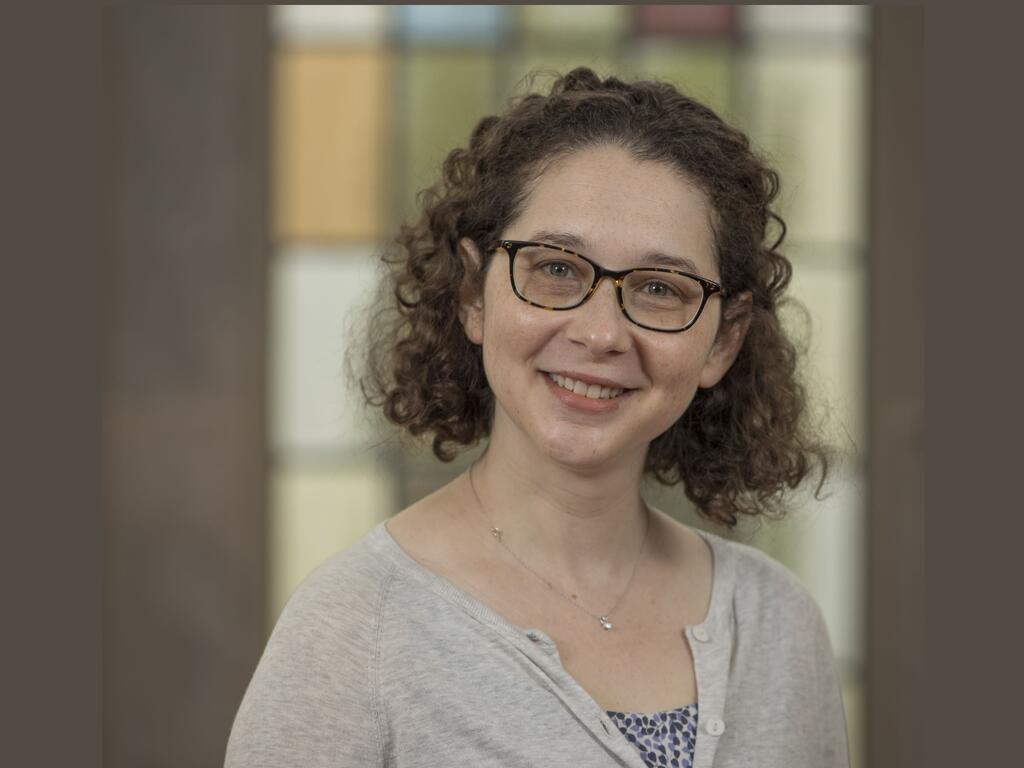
<point x="330" y="120"/>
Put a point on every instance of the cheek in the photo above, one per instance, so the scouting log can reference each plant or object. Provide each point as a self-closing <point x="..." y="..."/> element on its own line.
<point x="677" y="371"/>
<point x="513" y="331"/>
<point x="509" y="342"/>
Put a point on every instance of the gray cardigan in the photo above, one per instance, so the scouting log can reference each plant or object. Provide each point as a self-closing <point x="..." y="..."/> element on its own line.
<point x="378" y="661"/>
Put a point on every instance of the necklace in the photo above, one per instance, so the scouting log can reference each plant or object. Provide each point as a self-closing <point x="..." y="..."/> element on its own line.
<point x="497" y="533"/>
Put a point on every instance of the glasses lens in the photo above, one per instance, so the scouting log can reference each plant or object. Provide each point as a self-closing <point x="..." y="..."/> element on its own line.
<point x="662" y="300"/>
<point x="550" y="277"/>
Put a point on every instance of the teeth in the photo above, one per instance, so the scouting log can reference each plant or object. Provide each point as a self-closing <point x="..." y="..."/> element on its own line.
<point x="593" y="391"/>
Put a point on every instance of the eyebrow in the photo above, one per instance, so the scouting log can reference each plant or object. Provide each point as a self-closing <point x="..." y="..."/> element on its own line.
<point x="648" y="259"/>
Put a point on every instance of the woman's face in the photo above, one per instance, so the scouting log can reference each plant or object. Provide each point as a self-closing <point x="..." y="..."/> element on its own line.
<point x="606" y="205"/>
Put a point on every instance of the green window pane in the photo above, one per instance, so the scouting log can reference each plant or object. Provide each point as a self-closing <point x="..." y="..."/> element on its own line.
<point x="548" y="60"/>
<point x="590" y="24"/>
<point x="703" y="71"/>
<point x="445" y="95"/>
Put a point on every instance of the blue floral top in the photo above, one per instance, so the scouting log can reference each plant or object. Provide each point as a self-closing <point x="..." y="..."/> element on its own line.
<point x="661" y="738"/>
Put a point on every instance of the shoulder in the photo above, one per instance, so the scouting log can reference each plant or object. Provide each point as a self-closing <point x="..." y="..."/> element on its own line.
<point x="764" y="591"/>
<point x="312" y="697"/>
<point x="339" y="601"/>
<point x="353" y="573"/>
<point x="781" y="653"/>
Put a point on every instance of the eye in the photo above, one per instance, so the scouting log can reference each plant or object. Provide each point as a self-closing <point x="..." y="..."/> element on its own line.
<point x="557" y="269"/>
<point x="658" y="289"/>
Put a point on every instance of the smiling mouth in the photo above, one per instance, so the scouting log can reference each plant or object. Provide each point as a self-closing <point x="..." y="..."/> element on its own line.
<point x="592" y="391"/>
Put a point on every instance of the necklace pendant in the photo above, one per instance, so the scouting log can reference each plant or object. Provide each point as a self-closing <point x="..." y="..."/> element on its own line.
<point x="496" y="533"/>
<point x="605" y="623"/>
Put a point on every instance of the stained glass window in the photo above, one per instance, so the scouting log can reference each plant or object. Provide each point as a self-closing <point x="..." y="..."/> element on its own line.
<point x="368" y="100"/>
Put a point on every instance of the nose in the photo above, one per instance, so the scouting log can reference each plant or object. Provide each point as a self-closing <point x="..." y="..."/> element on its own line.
<point x="599" y="324"/>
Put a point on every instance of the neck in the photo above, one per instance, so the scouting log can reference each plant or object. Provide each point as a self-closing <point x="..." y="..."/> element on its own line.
<point x="580" y="528"/>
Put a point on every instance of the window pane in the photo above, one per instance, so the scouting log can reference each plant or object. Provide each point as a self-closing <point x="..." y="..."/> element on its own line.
<point x="593" y="24"/>
<point x="316" y="511"/>
<point x="703" y="71"/>
<point x="315" y="24"/>
<point x="807" y="110"/>
<point x="317" y="297"/>
<point x="806" y="23"/>
<point x="479" y="25"/>
<point x="330" y="122"/>
<point x="685" y="20"/>
<point x="446" y="93"/>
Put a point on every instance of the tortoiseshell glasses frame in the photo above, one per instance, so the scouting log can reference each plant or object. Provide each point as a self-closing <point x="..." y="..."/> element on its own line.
<point x="709" y="287"/>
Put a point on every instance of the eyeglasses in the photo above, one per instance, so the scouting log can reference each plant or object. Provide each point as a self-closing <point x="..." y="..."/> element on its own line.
<point x="658" y="299"/>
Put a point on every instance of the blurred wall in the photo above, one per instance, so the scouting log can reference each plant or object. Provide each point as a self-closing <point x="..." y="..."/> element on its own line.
<point x="896" y="519"/>
<point x="183" y="379"/>
<point x="366" y="103"/>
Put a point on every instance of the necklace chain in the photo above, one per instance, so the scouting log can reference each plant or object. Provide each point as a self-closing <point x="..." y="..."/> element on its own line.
<point x="497" y="533"/>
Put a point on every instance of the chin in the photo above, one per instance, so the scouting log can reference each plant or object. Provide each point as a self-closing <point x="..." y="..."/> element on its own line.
<point x="573" y="447"/>
<point x="584" y="464"/>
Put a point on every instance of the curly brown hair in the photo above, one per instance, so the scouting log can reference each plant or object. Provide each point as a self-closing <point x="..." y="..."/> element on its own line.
<point x="741" y="443"/>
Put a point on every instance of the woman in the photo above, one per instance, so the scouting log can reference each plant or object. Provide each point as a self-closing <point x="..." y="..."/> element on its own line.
<point x="589" y="289"/>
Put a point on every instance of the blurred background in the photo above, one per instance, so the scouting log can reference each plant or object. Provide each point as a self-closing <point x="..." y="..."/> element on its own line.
<point x="261" y="158"/>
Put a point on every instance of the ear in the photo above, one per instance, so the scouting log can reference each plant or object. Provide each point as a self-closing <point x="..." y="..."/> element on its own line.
<point x="471" y="300"/>
<point x="736" y="321"/>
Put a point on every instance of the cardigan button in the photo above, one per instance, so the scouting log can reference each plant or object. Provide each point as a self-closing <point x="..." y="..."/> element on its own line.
<point x="715" y="727"/>
<point x="533" y="636"/>
<point x="700" y="634"/>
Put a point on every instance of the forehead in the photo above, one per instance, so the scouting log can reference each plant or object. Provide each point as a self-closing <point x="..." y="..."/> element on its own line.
<point x="619" y="209"/>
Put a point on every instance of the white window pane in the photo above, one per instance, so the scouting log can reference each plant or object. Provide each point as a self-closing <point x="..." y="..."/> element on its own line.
<point x="807" y="110"/>
<point x="834" y="295"/>
<point x="316" y="511"/>
<point x="319" y="297"/>
<point x="303" y="24"/>
<point x="812" y="22"/>
<point x="822" y="542"/>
